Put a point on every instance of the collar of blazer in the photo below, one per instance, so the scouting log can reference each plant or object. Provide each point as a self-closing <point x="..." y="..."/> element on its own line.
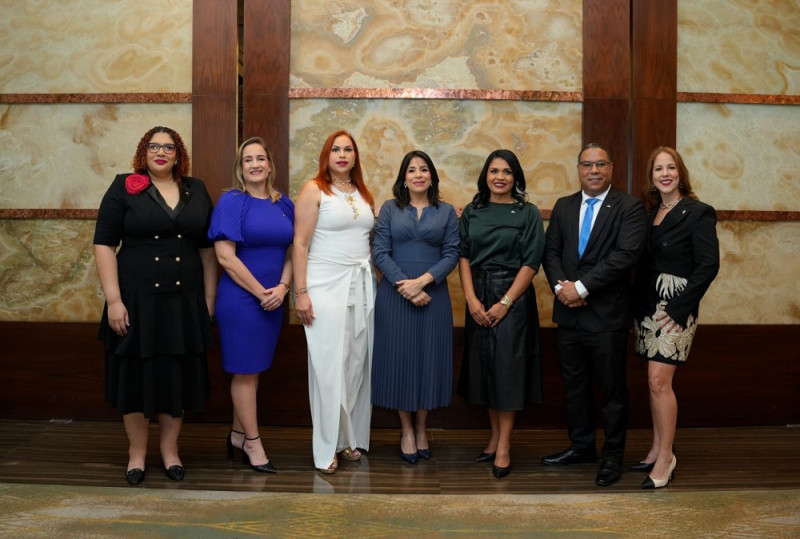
<point x="674" y="216"/>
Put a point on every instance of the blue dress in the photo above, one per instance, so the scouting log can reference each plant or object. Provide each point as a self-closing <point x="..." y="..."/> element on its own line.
<point x="412" y="359"/>
<point x="262" y="231"/>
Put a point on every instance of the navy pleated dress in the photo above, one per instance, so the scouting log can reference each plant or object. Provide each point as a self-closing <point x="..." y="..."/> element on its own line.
<point x="412" y="360"/>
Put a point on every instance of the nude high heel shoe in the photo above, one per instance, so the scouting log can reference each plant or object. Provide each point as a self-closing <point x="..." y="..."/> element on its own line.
<point x="650" y="483"/>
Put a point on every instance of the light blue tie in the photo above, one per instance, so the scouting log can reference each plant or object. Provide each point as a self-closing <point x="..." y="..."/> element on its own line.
<point x="586" y="227"/>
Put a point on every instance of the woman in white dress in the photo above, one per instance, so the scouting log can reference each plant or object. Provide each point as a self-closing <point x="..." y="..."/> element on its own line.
<point x="334" y="299"/>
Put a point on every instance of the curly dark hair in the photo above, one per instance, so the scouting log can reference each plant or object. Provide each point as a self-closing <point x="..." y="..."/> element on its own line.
<point x="518" y="193"/>
<point x="182" y="165"/>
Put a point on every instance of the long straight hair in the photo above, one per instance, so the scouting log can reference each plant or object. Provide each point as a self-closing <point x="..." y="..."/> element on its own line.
<point x="401" y="195"/>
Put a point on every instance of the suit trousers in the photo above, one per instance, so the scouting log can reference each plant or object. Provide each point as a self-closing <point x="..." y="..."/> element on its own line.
<point x="585" y="356"/>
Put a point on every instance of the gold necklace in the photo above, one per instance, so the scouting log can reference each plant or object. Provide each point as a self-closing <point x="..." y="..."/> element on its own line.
<point x="670" y="205"/>
<point x="350" y="200"/>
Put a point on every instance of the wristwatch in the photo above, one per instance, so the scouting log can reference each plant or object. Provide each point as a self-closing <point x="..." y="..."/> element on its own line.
<point x="507" y="301"/>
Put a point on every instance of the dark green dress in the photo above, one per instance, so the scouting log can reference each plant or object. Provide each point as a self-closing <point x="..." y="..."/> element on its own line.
<point x="502" y="366"/>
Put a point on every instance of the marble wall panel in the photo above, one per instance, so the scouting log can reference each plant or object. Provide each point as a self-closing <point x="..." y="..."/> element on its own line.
<point x="759" y="280"/>
<point x="95" y="46"/>
<point x="65" y="156"/>
<point x="739" y="46"/>
<point x="742" y="157"/>
<point x="484" y="44"/>
<point x="47" y="271"/>
<point x="458" y="135"/>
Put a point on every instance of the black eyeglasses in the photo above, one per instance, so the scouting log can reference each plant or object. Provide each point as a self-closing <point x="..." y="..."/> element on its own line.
<point x="587" y="165"/>
<point x="154" y="147"/>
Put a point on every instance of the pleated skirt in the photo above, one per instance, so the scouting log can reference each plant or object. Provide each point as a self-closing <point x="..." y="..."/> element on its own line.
<point x="502" y="366"/>
<point x="412" y="359"/>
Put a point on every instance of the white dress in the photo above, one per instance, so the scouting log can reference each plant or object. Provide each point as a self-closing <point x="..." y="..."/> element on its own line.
<point x="341" y="286"/>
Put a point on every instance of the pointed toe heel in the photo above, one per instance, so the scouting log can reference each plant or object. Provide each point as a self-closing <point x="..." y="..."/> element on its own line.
<point x="135" y="476"/>
<point x="649" y="483"/>
<point x="485" y="457"/>
<point x="175" y="472"/>
<point x="500" y="472"/>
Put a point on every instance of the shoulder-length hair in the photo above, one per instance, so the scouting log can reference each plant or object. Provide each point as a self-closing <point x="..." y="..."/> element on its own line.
<point x="238" y="175"/>
<point x="518" y="193"/>
<point x="401" y="195"/>
<point x="652" y="197"/>
<point x="323" y="178"/>
<point x="182" y="165"/>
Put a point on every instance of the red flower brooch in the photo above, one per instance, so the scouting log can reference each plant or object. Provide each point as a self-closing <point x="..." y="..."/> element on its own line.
<point x="136" y="183"/>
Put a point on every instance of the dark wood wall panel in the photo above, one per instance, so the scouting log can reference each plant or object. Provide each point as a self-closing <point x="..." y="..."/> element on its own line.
<point x="265" y="95"/>
<point x="214" y="91"/>
<point x="655" y="80"/>
<point x="736" y="375"/>
<point x="607" y="81"/>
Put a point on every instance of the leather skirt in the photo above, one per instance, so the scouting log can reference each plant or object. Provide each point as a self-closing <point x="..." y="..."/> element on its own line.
<point x="502" y="366"/>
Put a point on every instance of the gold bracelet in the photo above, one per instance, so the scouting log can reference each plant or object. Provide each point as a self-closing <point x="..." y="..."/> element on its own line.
<point x="507" y="301"/>
<point x="300" y="291"/>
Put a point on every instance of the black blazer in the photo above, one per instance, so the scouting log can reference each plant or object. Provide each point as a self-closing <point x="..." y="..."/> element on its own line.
<point x="605" y="269"/>
<point x="684" y="244"/>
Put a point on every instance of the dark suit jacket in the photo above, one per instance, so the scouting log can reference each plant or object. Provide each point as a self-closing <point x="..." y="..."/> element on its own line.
<point x="684" y="244"/>
<point x="605" y="269"/>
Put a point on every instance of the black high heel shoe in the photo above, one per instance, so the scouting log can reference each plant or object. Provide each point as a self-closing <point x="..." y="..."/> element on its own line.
<point x="231" y="447"/>
<point x="643" y="467"/>
<point x="263" y="468"/>
<point x="485" y="457"/>
<point x="135" y="476"/>
<point x="174" y="472"/>
<point x="501" y="472"/>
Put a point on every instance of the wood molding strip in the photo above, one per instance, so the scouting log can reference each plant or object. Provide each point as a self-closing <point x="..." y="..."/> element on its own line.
<point x="140" y="97"/>
<point x="91" y="214"/>
<point x="745" y="99"/>
<point x="433" y="93"/>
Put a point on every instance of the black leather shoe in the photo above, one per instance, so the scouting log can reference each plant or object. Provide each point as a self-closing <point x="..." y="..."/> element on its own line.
<point x="643" y="467"/>
<point x="174" y="472"/>
<point x="134" y="476"/>
<point x="501" y="472"/>
<point x="610" y="472"/>
<point x="424" y="454"/>
<point x="485" y="457"/>
<point x="570" y="456"/>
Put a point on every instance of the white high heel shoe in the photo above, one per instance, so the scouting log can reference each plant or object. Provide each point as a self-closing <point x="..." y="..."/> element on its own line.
<point x="650" y="483"/>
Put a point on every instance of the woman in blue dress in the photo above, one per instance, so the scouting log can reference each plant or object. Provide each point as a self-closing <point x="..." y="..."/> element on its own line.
<point x="252" y="230"/>
<point x="415" y="247"/>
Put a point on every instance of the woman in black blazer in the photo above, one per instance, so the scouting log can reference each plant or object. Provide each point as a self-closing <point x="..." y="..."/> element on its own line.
<point x="680" y="260"/>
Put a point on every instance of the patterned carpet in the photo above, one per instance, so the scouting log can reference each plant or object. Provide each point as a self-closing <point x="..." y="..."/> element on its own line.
<point x="61" y="511"/>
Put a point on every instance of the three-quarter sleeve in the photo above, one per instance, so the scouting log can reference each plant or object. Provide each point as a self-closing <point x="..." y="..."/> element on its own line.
<point x="228" y="218"/>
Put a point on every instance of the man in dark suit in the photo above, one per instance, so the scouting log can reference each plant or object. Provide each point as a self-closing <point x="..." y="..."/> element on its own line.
<point x="593" y="241"/>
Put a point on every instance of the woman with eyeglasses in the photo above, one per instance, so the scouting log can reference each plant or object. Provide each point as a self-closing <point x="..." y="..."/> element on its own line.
<point x="502" y="242"/>
<point x="159" y="287"/>
<point x="252" y="228"/>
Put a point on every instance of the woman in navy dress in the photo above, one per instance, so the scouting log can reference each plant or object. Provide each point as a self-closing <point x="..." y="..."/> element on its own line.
<point x="680" y="261"/>
<point x="159" y="289"/>
<point x="252" y="230"/>
<point x="415" y="247"/>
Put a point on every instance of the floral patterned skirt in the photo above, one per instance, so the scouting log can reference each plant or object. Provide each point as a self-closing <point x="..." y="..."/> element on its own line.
<point x="655" y="344"/>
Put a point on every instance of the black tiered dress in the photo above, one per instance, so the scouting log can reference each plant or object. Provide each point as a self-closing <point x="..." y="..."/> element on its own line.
<point x="160" y="366"/>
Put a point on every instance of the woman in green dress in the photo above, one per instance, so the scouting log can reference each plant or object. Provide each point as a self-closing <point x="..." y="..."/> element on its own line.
<point x="502" y="241"/>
